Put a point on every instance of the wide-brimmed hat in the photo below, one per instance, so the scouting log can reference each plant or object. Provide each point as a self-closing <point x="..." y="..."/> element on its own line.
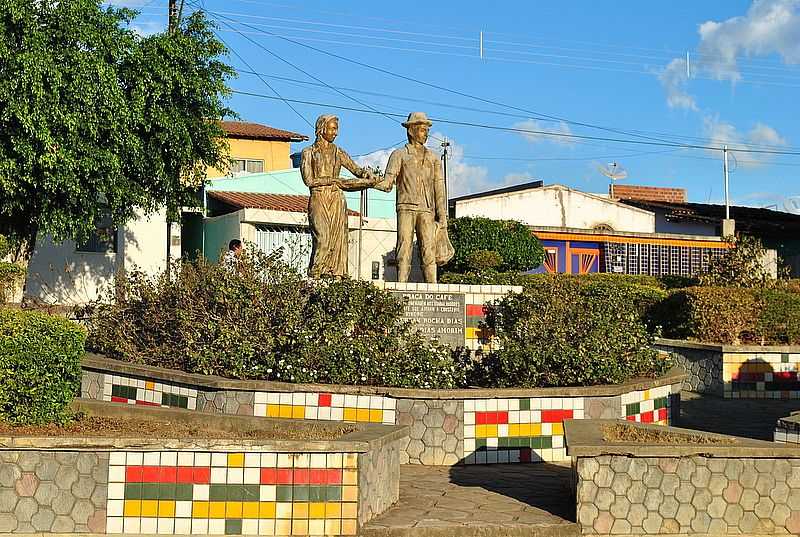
<point x="417" y="117"/>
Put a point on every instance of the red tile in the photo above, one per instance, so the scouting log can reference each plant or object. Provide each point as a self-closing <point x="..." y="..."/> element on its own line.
<point x="269" y="476"/>
<point x="663" y="414"/>
<point x="301" y="476"/>
<point x="147" y="403"/>
<point x="167" y="474"/>
<point x="283" y="476"/>
<point x="630" y="418"/>
<point x="475" y="310"/>
<point x="133" y="474"/>
<point x="325" y="399"/>
<point x="502" y="417"/>
<point x="185" y="474"/>
<point x="480" y="418"/>
<point x="317" y="476"/>
<point x="556" y="416"/>
<point x="647" y="417"/>
<point x="150" y="474"/>
<point x="115" y="399"/>
<point x="201" y="474"/>
<point x="334" y="477"/>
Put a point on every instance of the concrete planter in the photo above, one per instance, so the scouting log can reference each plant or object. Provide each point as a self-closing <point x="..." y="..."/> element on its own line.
<point x="737" y="371"/>
<point x="207" y="487"/>
<point x="446" y="427"/>
<point x="749" y="487"/>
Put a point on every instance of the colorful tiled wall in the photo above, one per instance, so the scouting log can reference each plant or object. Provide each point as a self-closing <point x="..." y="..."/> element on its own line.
<point x="233" y="493"/>
<point x="326" y="406"/>
<point x="761" y="376"/>
<point x="517" y="430"/>
<point x="648" y="406"/>
<point x="120" y="389"/>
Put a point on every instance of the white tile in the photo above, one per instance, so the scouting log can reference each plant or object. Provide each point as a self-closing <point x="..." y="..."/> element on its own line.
<point x="547" y="403"/>
<point x="273" y="398"/>
<point x="183" y="509"/>
<point x="186" y="458"/>
<point x="249" y="526"/>
<point x="502" y="430"/>
<point x="469" y="418"/>
<point x="469" y="431"/>
<point x="469" y="445"/>
<point x="219" y="475"/>
<point x="285" y="398"/>
<point x="311" y="412"/>
<point x="312" y="399"/>
<point x="116" y="491"/>
<point x="260" y="409"/>
<point x="149" y="525"/>
<point x="202" y="459"/>
<point x="578" y="403"/>
<point x="337" y="414"/>
<point x="491" y="405"/>
<point x="536" y="403"/>
<point x="337" y="400"/>
<point x="114" y="524"/>
<point x="567" y="403"/>
<point x="199" y="526"/>
<point x="219" y="459"/>
<point x="502" y="404"/>
<point x="183" y="526"/>
<point x="318" y="460"/>
<point x="267" y="493"/>
<point x="284" y="460"/>
<point x="216" y="527"/>
<point x="135" y="458"/>
<point x="116" y="474"/>
<point x="235" y="476"/>
<point x="469" y="405"/>
<point x="116" y="458"/>
<point x="115" y="508"/>
<point x="491" y="442"/>
<point x="131" y="525"/>
<point x="513" y="404"/>
<point x="577" y="414"/>
<point x="324" y="413"/>
<point x="351" y="401"/>
<point x="169" y="458"/>
<point x="558" y="441"/>
<point x="266" y="527"/>
<point x="152" y="458"/>
<point x="389" y="403"/>
<point x="389" y="417"/>
<point x="200" y="492"/>
<point x="299" y="399"/>
<point x="252" y="476"/>
<point x="260" y="398"/>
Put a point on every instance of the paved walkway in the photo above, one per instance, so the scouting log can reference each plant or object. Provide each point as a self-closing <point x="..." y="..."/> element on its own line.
<point x="750" y="418"/>
<point x="499" y="499"/>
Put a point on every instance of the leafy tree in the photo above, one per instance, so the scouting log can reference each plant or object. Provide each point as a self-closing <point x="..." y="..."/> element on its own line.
<point x="485" y="244"/>
<point x="99" y="121"/>
<point x="742" y="265"/>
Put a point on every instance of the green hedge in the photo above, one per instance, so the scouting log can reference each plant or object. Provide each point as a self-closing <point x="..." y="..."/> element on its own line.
<point x="561" y="332"/>
<point x="513" y="243"/>
<point x="264" y="321"/>
<point x="731" y="315"/>
<point x="519" y="278"/>
<point x="40" y="366"/>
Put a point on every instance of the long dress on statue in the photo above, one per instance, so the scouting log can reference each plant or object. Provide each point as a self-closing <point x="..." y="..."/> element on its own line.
<point x="320" y="165"/>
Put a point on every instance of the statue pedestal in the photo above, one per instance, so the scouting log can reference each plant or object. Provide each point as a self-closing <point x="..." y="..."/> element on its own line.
<point x="450" y="313"/>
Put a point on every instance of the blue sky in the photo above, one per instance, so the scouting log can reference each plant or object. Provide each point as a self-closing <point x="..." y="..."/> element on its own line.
<point x="620" y="65"/>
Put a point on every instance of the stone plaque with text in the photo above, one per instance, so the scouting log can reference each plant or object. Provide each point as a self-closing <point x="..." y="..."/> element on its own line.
<point x="438" y="315"/>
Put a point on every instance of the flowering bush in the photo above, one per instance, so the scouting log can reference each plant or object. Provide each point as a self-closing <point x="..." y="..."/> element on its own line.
<point x="262" y="320"/>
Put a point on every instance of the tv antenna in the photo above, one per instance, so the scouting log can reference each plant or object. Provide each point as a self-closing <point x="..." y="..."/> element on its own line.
<point x="615" y="172"/>
<point x="792" y="205"/>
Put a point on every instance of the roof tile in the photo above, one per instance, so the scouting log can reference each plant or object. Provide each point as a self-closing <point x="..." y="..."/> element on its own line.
<point x="291" y="203"/>
<point x="256" y="131"/>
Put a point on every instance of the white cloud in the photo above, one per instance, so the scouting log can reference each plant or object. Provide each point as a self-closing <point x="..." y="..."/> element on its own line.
<point x="517" y="178"/>
<point x="674" y="80"/>
<point x="377" y="158"/>
<point x="462" y="178"/>
<point x="769" y="27"/>
<point x="721" y="133"/>
<point x="560" y="128"/>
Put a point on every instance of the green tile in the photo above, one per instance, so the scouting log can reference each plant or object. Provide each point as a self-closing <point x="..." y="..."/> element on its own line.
<point x="547" y="442"/>
<point x="250" y="493"/>
<point x="784" y="358"/>
<point x="333" y="493"/>
<point x="480" y="443"/>
<point x="524" y="404"/>
<point x="151" y="491"/>
<point x="128" y="392"/>
<point x="183" y="492"/>
<point x="218" y="493"/>
<point x="166" y="491"/>
<point x="502" y="442"/>
<point x="283" y="493"/>
<point x="316" y="493"/>
<point x="233" y="526"/>
<point x="133" y="491"/>
<point x="300" y="493"/>
<point x="659" y="403"/>
<point x="631" y="409"/>
<point x="536" y="442"/>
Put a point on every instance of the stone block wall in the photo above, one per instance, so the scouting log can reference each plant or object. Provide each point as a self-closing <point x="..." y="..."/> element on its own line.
<point x="703" y="367"/>
<point x="378" y="480"/>
<point x="53" y="492"/>
<point x="436" y="431"/>
<point x="619" y="494"/>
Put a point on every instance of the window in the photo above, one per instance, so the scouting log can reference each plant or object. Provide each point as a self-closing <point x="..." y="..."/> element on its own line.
<point x="102" y="240"/>
<point x="241" y="165"/>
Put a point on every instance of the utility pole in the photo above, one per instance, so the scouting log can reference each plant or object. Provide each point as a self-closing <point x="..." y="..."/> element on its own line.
<point x="172" y="25"/>
<point x="728" y="225"/>
<point x="173" y="15"/>
<point x="361" y="214"/>
<point x="445" y="145"/>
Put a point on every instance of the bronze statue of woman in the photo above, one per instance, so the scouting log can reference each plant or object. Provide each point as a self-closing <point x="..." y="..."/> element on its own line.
<point x="320" y="165"/>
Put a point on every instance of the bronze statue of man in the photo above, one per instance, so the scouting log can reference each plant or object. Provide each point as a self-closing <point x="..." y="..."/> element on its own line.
<point x="320" y="165"/>
<point x="421" y="200"/>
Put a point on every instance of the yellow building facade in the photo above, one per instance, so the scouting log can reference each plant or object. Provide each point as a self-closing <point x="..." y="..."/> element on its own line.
<point x="257" y="148"/>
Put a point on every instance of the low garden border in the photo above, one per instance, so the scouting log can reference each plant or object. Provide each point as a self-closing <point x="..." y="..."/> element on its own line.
<point x="737" y="371"/>
<point x="749" y="487"/>
<point x="196" y="486"/>
<point x="446" y="427"/>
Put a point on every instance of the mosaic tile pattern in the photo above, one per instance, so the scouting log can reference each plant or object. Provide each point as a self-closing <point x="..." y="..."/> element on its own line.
<point x="648" y="406"/>
<point x="761" y="376"/>
<point x="233" y="493"/>
<point x="135" y="391"/>
<point x="517" y="430"/>
<point x="326" y="406"/>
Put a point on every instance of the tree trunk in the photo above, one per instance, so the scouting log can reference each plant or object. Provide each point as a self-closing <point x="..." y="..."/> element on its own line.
<point x="21" y="256"/>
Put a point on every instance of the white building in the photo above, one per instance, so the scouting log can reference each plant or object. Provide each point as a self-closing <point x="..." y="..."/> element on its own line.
<point x="559" y="206"/>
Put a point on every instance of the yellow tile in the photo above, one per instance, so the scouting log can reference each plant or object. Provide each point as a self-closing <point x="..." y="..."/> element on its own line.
<point x="349" y="510"/>
<point x="286" y="411"/>
<point x="557" y="428"/>
<point x="524" y="429"/>
<point x="166" y="508"/>
<point x="283" y="510"/>
<point x="362" y="415"/>
<point x="216" y="509"/>
<point x="233" y="509"/>
<point x="199" y="509"/>
<point x="513" y="429"/>
<point x="299" y="510"/>
<point x="333" y="527"/>
<point x="299" y="527"/>
<point x="491" y="431"/>
<point x="333" y="510"/>
<point x="376" y="416"/>
<point x="348" y="527"/>
<point x="283" y="527"/>
<point x="480" y="431"/>
<point x="350" y="460"/>
<point x="349" y="494"/>
<point x="150" y="385"/>
<point x="266" y="509"/>
<point x="646" y="395"/>
<point x="149" y="508"/>
<point x="250" y="510"/>
<point x="235" y="460"/>
<point x="350" y="414"/>
<point x="273" y="411"/>
<point x="536" y="429"/>
<point x="132" y="508"/>
<point x="350" y="477"/>
<point x="298" y="412"/>
<point x="316" y="510"/>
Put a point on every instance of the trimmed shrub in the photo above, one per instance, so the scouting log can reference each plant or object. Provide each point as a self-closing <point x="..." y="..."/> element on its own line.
<point x="262" y="320"/>
<point x="517" y="247"/>
<point x="779" y="322"/>
<point x="39" y="367"/>
<point x="483" y="260"/>
<point x="563" y="333"/>
<point x="742" y="265"/>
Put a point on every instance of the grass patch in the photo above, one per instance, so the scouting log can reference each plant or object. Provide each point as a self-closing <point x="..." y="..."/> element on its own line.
<point x="620" y="432"/>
